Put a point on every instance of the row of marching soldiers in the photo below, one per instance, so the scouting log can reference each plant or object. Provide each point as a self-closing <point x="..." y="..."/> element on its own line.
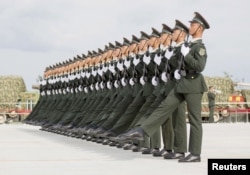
<point x="103" y="94"/>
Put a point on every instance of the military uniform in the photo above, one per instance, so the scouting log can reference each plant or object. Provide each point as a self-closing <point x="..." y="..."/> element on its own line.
<point x="128" y="106"/>
<point x="159" y="94"/>
<point x="145" y="68"/>
<point x="211" y="104"/>
<point x="190" y="88"/>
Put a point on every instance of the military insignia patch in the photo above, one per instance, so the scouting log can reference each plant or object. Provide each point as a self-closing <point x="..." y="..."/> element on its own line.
<point x="202" y="51"/>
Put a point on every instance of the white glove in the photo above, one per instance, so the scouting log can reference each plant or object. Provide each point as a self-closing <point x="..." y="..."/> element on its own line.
<point x="146" y="59"/>
<point x="100" y="72"/>
<point x="112" y="68"/>
<point x="94" y="72"/>
<point x="164" y="77"/>
<point x="168" y="54"/>
<point x="154" y="81"/>
<point x="87" y="74"/>
<point x="105" y="68"/>
<point x="120" y="66"/>
<point x="127" y="63"/>
<point x="97" y="86"/>
<point x="177" y="75"/>
<point x="184" y="50"/>
<point x="136" y="61"/>
<point x="131" y="82"/>
<point x="157" y="60"/>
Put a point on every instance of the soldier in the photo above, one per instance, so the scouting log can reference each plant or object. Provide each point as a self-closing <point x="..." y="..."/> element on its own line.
<point x="84" y="96"/>
<point x="128" y="93"/>
<point x="94" y="96"/>
<point x="165" y="68"/>
<point x="178" y="117"/>
<point x="83" y="119"/>
<point x="172" y="135"/>
<point x="34" y="115"/>
<point x="190" y="88"/>
<point x="67" y="99"/>
<point x="211" y="103"/>
<point x="115" y="93"/>
<point x="76" y="97"/>
<point x="140" y="97"/>
<point x="50" y="98"/>
<point x="96" y="117"/>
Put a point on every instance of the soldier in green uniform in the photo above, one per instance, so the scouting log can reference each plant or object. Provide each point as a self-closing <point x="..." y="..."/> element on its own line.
<point x="85" y="96"/>
<point x="121" y="99"/>
<point x="66" y="102"/>
<point x="161" y="91"/>
<point x="190" y="88"/>
<point x="40" y="104"/>
<point x="174" y="129"/>
<point x="92" y="92"/>
<point x="73" y="84"/>
<point x="128" y="93"/>
<point x="117" y="98"/>
<point x="211" y="103"/>
<point x="114" y="93"/>
<point x="145" y="68"/>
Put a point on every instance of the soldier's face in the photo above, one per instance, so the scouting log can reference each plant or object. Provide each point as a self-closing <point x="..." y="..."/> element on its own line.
<point x="92" y="61"/>
<point x="165" y="39"/>
<point x="157" y="43"/>
<point x="87" y="61"/>
<point x="96" y="61"/>
<point x="82" y="63"/>
<point x="124" y="49"/>
<point x="143" y="45"/>
<point x="104" y="55"/>
<point x="212" y="89"/>
<point x="132" y="47"/>
<point x="176" y="34"/>
<point x="194" y="28"/>
<point x="117" y="52"/>
<point x="152" y="41"/>
<point x="109" y="53"/>
<point x="101" y="57"/>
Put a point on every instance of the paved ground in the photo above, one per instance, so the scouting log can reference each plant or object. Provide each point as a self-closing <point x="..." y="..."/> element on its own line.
<point x="25" y="150"/>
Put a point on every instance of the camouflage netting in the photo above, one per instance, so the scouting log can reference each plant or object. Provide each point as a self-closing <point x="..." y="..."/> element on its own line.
<point x="31" y="96"/>
<point x="10" y="88"/>
<point x="246" y="94"/>
<point x="225" y="85"/>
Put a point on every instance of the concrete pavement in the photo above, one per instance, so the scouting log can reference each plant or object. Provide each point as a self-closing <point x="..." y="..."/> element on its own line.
<point x="25" y="150"/>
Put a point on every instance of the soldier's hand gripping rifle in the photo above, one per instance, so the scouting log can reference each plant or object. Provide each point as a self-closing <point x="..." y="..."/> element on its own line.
<point x="144" y="77"/>
<point x="125" y="74"/>
<point x="134" y="77"/>
<point x="157" y="58"/>
<point x="165" y="76"/>
<point x="181" y="68"/>
<point x="110" y="79"/>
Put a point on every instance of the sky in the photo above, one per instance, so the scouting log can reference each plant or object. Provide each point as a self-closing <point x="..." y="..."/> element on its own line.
<point x="35" y="34"/>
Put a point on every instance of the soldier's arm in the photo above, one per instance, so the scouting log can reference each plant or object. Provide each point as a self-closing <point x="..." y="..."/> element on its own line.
<point x="196" y="60"/>
<point x="213" y="96"/>
<point x="174" y="60"/>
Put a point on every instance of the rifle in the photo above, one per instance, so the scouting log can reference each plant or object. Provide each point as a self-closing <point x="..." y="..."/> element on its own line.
<point x="165" y="76"/>
<point x="181" y="68"/>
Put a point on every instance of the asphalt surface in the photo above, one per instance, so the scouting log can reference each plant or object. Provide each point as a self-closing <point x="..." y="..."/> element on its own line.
<point x="25" y="150"/>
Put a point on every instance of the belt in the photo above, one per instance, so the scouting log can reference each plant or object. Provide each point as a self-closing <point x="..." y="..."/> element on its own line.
<point x="192" y="72"/>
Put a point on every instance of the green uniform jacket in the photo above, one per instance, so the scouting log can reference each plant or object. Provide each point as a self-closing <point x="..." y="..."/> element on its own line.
<point x="195" y="60"/>
<point x="211" y="99"/>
